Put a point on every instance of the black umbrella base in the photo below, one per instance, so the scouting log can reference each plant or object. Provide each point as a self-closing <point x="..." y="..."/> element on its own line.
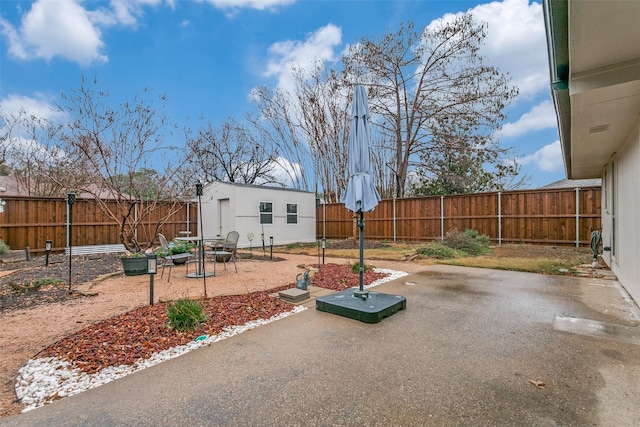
<point x="371" y="309"/>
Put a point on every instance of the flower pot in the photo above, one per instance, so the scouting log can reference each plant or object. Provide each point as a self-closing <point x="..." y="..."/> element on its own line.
<point x="134" y="266"/>
<point x="223" y="258"/>
<point x="179" y="261"/>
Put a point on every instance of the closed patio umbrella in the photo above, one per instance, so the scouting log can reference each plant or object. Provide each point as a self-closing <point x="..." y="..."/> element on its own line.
<point x="361" y="195"/>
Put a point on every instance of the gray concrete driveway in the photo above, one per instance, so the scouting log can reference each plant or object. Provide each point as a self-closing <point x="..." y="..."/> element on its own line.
<point x="466" y="351"/>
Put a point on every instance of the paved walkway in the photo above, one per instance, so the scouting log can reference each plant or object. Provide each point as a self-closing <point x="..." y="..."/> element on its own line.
<point x="473" y="347"/>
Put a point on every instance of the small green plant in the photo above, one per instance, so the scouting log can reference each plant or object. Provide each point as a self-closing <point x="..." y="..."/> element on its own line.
<point x="185" y="315"/>
<point x="35" y="284"/>
<point x="355" y="268"/>
<point x="134" y="255"/>
<point x="294" y="245"/>
<point x="176" y="247"/>
<point x="181" y="247"/>
<point x="438" y="251"/>
<point x="44" y="281"/>
<point x="3" y="247"/>
<point x="470" y="242"/>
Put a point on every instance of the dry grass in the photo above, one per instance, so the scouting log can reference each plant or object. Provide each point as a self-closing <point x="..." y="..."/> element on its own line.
<point x="516" y="257"/>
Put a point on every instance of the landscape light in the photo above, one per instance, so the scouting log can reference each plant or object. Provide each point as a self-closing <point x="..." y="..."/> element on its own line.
<point x="152" y="268"/>
<point x="47" y="249"/>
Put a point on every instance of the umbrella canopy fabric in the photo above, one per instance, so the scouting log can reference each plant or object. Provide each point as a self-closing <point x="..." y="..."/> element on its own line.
<point x="360" y="195"/>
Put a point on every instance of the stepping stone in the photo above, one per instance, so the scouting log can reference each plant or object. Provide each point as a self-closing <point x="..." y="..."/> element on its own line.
<point x="294" y="295"/>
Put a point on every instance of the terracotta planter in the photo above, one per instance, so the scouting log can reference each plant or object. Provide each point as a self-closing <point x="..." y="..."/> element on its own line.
<point x="134" y="266"/>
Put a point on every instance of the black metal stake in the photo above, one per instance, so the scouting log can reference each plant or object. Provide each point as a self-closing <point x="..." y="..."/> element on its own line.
<point x="71" y="199"/>
<point x="201" y="241"/>
<point x="151" y="288"/>
<point x="271" y="245"/>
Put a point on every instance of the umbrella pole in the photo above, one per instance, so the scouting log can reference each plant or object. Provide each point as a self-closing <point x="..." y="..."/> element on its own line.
<point x="361" y="293"/>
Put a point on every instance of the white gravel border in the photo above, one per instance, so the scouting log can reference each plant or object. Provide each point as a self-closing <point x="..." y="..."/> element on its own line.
<point x="41" y="381"/>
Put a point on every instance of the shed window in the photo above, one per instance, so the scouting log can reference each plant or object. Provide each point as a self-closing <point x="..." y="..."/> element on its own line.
<point x="266" y="213"/>
<point x="292" y="213"/>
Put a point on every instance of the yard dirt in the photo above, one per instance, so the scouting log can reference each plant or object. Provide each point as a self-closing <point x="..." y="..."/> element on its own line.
<point x="34" y="316"/>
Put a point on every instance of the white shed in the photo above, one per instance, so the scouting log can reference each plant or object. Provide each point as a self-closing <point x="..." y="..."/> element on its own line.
<point x="287" y="215"/>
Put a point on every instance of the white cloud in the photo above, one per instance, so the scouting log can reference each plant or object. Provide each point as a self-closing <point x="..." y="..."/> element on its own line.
<point x="250" y="4"/>
<point x="515" y="42"/>
<point x="21" y="133"/>
<point x="541" y="116"/>
<point x="548" y="158"/>
<point x="56" y="28"/>
<point x="286" y="172"/>
<point x="67" y="29"/>
<point x="289" y="54"/>
<point x="38" y="106"/>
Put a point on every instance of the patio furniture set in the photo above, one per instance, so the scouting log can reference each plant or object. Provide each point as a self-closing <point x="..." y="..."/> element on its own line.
<point x="220" y="250"/>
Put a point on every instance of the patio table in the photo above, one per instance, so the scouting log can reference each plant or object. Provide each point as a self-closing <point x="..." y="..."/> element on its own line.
<point x="199" y="273"/>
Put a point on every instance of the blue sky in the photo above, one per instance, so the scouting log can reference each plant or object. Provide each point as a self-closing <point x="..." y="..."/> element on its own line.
<point x="207" y="55"/>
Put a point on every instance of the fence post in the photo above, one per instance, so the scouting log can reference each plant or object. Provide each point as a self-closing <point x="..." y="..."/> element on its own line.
<point x="394" y="217"/>
<point x="441" y="217"/>
<point x="188" y="227"/>
<point x="324" y="217"/>
<point x="499" y="218"/>
<point x="577" y="218"/>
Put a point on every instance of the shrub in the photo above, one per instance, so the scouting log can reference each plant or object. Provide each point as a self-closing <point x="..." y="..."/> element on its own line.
<point x="181" y="247"/>
<point x="185" y="315"/>
<point x="438" y="251"/>
<point x="44" y="281"/>
<point x="3" y="247"/>
<point x="469" y="242"/>
<point x="355" y="268"/>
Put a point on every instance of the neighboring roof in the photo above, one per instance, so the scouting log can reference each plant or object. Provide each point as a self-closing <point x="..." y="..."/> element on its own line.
<point x="574" y="183"/>
<point x="9" y="186"/>
<point x="594" y="65"/>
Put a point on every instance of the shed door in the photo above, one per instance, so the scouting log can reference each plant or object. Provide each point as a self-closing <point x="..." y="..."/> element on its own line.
<point x="224" y="214"/>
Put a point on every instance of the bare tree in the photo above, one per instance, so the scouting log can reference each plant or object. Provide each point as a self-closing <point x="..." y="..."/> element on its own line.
<point x="278" y="122"/>
<point x="426" y="86"/>
<point x="232" y="153"/>
<point x="29" y="154"/>
<point x="310" y="127"/>
<point x="114" y="150"/>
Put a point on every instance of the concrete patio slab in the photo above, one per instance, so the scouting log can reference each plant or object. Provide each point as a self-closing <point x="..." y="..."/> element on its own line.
<point x="468" y="350"/>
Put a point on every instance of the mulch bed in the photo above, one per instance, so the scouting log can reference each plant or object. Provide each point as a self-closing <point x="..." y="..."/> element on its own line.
<point x="21" y="289"/>
<point x="137" y="334"/>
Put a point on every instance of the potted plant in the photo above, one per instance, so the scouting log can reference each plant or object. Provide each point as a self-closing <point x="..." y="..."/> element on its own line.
<point x="134" y="263"/>
<point x="177" y="247"/>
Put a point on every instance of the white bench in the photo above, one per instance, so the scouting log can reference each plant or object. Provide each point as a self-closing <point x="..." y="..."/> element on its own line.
<point x="95" y="249"/>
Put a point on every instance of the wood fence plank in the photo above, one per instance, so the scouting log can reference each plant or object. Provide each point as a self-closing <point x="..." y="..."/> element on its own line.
<point x="530" y="216"/>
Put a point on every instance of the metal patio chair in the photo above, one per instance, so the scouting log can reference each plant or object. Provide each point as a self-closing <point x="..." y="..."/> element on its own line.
<point x="226" y="249"/>
<point x="169" y="258"/>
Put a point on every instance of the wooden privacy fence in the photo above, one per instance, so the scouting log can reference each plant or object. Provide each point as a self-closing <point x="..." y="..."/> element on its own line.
<point x="31" y="221"/>
<point x="547" y="216"/>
